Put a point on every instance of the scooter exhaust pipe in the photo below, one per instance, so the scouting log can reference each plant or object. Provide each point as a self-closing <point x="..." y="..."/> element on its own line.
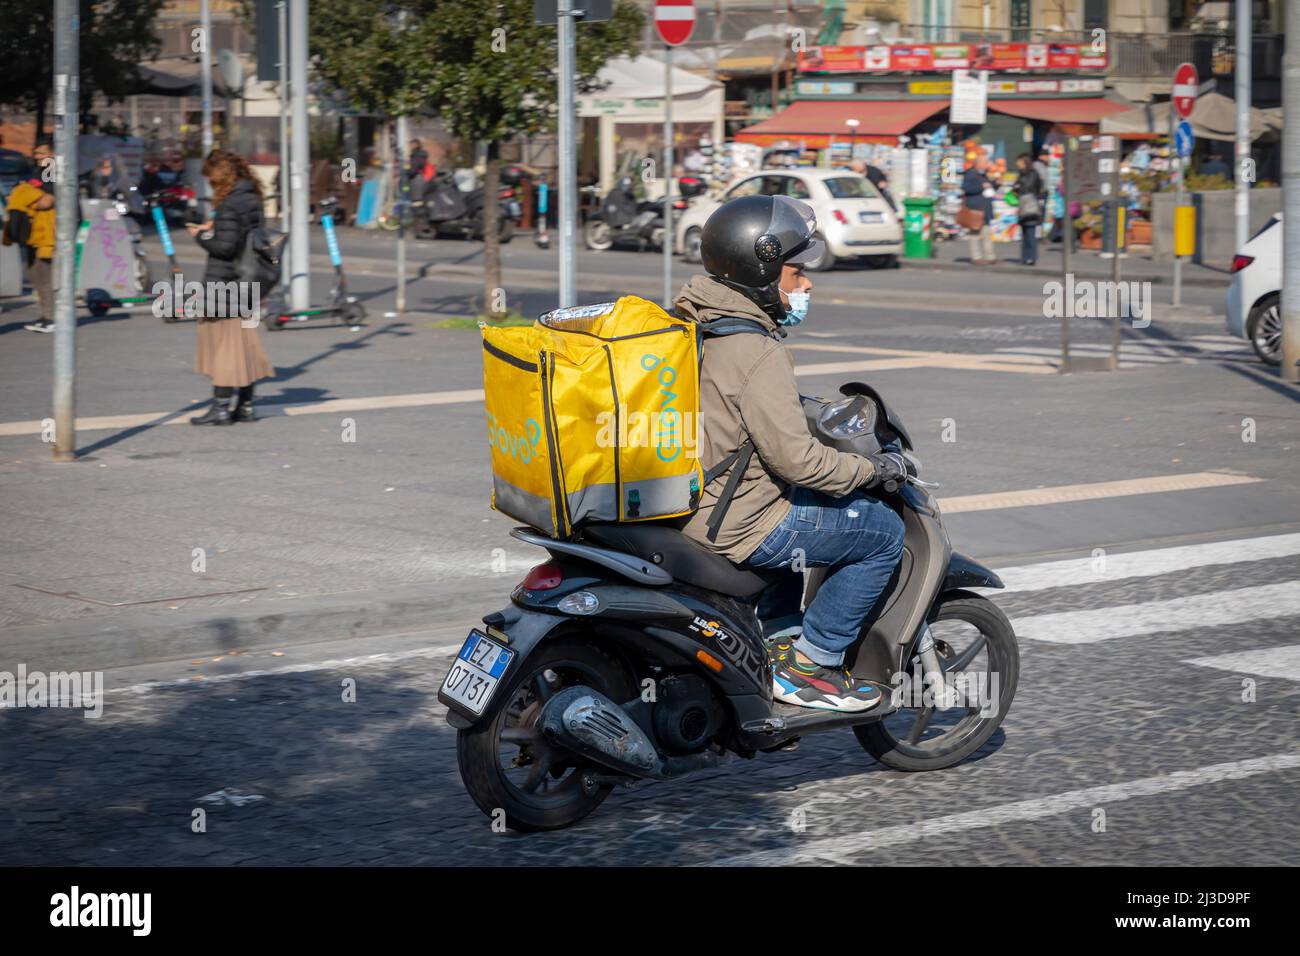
<point x="587" y="722"/>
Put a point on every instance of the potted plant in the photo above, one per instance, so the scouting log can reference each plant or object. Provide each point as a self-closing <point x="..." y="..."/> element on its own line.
<point x="1089" y="224"/>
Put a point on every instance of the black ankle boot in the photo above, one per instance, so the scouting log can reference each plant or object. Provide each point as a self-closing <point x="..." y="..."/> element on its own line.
<point x="244" y="411"/>
<point x="218" y="414"/>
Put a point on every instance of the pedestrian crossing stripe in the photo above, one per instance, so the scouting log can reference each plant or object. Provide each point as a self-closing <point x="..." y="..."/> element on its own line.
<point x="1281" y="662"/>
<point x="1210" y="609"/>
<point x="846" y="846"/>
<point x="1109" y="567"/>
<point x="1148" y="352"/>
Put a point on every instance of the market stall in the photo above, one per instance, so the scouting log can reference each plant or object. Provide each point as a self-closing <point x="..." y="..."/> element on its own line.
<point x="628" y="113"/>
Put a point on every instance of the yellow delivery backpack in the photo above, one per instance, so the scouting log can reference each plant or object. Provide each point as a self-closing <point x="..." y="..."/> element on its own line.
<point x="591" y="416"/>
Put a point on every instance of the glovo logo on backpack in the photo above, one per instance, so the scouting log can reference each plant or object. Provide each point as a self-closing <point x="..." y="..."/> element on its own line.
<point x="591" y="415"/>
<point x="521" y="447"/>
<point x="667" y="430"/>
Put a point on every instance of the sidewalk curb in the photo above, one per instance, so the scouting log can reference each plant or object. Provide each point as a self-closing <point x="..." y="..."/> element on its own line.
<point x="143" y="636"/>
<point x="1126" y="272"/>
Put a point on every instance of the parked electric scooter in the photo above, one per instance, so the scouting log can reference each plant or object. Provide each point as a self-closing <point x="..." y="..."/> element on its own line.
<point x="125" y="207"/>
<point x="346" y="308"/>
<point x="542" y="236"/>
<point x="636" y="654"/>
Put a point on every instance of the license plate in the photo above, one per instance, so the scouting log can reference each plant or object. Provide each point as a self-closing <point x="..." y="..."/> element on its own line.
<point x="871" y="217"/>
<point x="473" y="677"/>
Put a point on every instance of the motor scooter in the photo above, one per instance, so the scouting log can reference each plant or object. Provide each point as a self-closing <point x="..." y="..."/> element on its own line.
<point x="446" y="210"/>
<point x="634" y="654"/>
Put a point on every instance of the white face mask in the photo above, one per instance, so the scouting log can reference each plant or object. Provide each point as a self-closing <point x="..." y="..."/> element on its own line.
<point x="798" y="311"/>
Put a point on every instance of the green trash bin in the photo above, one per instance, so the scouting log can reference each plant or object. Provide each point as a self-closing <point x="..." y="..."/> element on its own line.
<point x="918" y="227"/>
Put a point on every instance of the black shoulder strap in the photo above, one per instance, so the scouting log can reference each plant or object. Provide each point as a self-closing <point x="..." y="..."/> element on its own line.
<point x="738" y="462"/>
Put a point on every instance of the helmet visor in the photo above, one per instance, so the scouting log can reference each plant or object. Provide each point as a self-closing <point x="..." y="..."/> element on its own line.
<point x="809" y="253"/>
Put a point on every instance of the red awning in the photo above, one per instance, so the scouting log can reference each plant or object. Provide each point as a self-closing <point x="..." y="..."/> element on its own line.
<point x="815" y="122"/>
<point x="1084" y="110"/>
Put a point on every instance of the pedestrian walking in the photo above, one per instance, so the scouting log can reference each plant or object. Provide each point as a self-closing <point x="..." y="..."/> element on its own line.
<point x="229" y="351"/>
<point x="977" y="212"/>
<point x="30" y="225"/>
<point x="1029" y="190"/>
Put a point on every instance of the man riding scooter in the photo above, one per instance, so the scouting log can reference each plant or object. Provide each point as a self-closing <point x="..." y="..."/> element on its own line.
<point x="796" y="503"/>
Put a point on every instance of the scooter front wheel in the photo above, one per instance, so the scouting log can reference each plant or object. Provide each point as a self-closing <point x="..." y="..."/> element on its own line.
<point x="979" y="657"/>
<point x="508" y="767"/>
<point x="598" y="236"/>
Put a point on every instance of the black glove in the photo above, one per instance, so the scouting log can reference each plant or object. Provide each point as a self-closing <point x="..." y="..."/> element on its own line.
<point x="889" y="467"/>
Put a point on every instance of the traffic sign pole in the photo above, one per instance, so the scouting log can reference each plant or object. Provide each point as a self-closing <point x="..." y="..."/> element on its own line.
<point x="668" y="177"/>
<point x="568" y="170"/>
<point x="674" y="22"/>
<point x="1067" y="241"/>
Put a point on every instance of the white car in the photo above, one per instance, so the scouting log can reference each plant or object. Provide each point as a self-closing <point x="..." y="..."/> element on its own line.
<point x="1254" y="295"/>
<point x="852" y="217"/>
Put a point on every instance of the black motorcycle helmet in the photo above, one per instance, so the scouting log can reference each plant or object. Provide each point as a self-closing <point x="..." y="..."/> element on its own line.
<point x="747" y="240"/>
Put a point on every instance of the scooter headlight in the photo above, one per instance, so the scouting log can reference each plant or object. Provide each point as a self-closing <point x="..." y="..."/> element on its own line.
<point x="579" y="602"/>
<point x="121" y="208"/>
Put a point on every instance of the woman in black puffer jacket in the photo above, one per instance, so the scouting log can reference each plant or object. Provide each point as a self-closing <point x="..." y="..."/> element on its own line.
<point x="229" y="352"/>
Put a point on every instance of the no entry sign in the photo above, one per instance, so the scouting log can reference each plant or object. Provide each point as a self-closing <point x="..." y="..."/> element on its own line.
<point x="675" y="19"/>
<point x="1186" y="84"/>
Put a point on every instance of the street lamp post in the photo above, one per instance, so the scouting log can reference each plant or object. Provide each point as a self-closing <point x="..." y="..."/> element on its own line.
<point x="205" y="87"/>
<point x="1241" y="163"/>
<point x="67" y="109"/>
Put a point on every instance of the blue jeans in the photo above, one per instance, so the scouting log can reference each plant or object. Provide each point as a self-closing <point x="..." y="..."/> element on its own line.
<point x="1028" y="243"/>
<point x="859" y="538"/>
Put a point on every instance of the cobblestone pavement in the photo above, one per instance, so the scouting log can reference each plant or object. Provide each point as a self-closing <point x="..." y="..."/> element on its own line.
<point x="288" y="773"/>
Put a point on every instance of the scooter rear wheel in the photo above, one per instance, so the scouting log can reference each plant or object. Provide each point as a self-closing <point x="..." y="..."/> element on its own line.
<point x="353" y="314"/>
<point x="972" y="636"/>
<point x="506" y="764"/>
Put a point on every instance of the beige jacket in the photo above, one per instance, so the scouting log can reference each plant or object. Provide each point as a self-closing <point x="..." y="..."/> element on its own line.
<point x="748" y="390"/>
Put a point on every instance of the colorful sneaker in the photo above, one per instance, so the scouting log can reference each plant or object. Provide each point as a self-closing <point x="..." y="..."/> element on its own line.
<point x="812" y="685"/>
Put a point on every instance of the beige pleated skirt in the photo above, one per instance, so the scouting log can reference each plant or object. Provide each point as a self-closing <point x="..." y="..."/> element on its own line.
<point x="230" y="354"/>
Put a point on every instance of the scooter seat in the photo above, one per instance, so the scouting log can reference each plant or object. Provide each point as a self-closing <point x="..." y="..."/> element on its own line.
<point x="664" y="545"/>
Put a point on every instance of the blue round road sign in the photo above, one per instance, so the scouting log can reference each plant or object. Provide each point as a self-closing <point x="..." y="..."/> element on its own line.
<point x="1184" y="139"/>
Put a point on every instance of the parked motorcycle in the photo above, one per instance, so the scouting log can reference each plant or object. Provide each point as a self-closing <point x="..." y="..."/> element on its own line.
<point x="625" y="220"/>
<point x="635" y="654"/>
<point x="622" y="219"/>
<point x="444" y="209"/>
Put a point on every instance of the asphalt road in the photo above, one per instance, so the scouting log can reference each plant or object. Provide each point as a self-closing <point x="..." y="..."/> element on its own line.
<point x="1155" y="720"/>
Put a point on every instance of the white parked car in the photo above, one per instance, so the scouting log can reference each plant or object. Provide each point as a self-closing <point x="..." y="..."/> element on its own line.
<point x="1254" y="295"/>
<point x="853" y="218"/>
